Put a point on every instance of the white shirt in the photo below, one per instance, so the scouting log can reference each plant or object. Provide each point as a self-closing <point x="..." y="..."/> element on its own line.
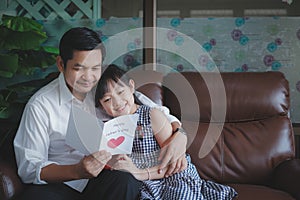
<point x="40" y="139"/>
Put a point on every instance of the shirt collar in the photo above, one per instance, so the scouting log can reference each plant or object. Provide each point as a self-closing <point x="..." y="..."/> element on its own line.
<point x="65" y="93"/>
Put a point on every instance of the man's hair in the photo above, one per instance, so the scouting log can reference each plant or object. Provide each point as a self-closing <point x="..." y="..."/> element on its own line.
<point x="80" y="39"/>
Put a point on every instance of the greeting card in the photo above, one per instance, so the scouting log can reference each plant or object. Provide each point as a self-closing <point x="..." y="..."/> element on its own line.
<point x="88" y="134"/>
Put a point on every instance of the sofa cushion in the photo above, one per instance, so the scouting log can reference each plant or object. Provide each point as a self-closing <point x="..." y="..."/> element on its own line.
<point x="244" y="152"/>
<point x="258" y="192"/>
<point x="239" y="96"/>
<point x="251" y="137"/>
<point x="152" y="91"/>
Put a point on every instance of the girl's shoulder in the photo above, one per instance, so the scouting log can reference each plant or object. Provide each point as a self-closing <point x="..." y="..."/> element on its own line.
<point x="150" y="115"/>
<point x="157" y="116"/>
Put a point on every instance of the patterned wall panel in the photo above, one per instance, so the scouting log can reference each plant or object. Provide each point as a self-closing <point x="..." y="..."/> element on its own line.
<point x="242" y="45"/>
<point x="54" y="9"/>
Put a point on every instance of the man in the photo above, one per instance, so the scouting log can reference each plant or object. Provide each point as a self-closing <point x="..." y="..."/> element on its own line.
<point x="53" y="169"/>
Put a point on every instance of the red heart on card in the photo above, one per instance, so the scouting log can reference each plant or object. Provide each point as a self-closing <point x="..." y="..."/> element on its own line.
<point x="113" y="143"/>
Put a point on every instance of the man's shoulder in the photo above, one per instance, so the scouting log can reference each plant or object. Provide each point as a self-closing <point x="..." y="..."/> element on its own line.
<point x="48" y="91"/>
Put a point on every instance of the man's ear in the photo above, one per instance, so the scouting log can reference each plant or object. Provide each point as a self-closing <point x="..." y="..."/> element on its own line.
<point x="60" y="64"/>
<point x="132" y="85"/>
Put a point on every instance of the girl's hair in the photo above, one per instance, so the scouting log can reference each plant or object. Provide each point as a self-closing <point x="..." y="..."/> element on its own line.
<point x="115" y="74"/>
<point x="81" y="39"/>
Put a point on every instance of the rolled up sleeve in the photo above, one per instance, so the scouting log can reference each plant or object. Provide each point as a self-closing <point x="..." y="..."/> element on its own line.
<point x="145" y="100"/>
<point x="31" y="144"/>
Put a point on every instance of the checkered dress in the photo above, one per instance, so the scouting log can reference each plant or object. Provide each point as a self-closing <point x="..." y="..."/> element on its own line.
<point x="180" y="186"/>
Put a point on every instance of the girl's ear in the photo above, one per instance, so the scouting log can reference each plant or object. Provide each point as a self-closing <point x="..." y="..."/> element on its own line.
<point x="60" y="64"/>
<point x="132" y="85"/>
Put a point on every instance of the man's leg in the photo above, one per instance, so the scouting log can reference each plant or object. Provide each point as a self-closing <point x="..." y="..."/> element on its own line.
<point x="112" y="185"/>
<point x="58" y="191"/>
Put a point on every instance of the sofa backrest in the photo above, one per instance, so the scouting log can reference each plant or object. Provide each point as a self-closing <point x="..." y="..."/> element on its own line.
<point x="238" y="123"/>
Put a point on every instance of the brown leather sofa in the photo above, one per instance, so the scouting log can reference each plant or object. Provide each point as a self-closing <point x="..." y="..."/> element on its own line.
<point x="239" y="131"/>
<point x="238" y="128"/>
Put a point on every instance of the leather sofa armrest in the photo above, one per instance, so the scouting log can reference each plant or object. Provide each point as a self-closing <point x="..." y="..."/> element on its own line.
<point x="10" y="183"/>
<point x="287" y="177"/>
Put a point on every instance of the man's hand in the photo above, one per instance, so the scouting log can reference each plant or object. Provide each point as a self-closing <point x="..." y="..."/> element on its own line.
<point x="173" y="154"/>
<point x="90" y="166"/>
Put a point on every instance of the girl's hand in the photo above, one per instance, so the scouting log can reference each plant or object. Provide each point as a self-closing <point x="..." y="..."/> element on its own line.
<point x="124" y="163"/>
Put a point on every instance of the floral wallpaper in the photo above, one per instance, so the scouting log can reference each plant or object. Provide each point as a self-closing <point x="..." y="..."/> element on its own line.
<point x="227" y="44"/>
<point x="244" y="45"/>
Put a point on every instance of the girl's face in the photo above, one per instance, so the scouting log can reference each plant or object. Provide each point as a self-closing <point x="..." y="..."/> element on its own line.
<point x="119" y="99"/>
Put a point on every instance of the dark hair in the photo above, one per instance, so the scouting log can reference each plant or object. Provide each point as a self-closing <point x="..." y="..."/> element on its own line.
<point x="81" y="39"/>
<point x="115" y="74"/>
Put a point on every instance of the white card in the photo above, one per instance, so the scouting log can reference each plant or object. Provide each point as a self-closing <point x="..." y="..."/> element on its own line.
<point x="87" y="134"/>
<point x="118" y="134"/>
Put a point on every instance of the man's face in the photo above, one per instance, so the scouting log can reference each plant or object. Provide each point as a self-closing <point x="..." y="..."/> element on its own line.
<point x="82" y="72"/>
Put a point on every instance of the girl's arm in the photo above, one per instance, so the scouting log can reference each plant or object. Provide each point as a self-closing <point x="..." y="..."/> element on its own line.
<point x="172" y="155"/>
<point x="149" y="174"/>
<point x="125" y="163"/>
<point x="162" y="130"/>
<point x="161" y="127"/>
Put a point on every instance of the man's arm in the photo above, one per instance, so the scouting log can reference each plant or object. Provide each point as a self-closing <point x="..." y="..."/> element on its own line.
<point x="89" y="166"/>
<point x="31" y="144"/>
<point x="172" y="155"/>
<point x="31" y="148"/>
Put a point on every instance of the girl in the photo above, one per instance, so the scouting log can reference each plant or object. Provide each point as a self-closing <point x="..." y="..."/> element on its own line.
<point x="115" y="95"/>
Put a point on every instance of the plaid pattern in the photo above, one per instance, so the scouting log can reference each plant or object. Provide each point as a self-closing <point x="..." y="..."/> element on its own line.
<point x="184" y="185"/>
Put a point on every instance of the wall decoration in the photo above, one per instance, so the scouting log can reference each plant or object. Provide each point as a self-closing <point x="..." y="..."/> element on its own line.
<point x="244" y="45"/>
<point x="235" y="44"/>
